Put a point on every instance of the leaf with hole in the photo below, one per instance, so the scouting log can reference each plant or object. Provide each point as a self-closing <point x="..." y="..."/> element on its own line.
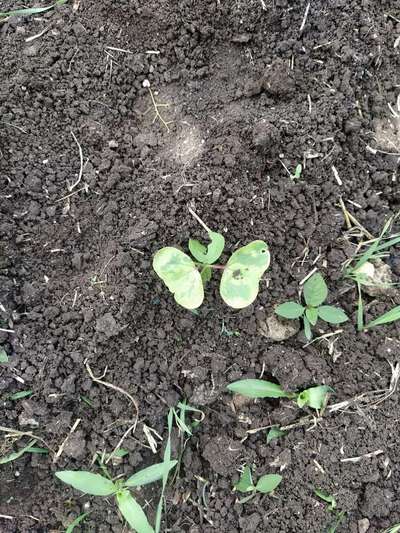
<point x="245" y="483"/>
<point x="258" y="388"/>
<point x="268" y="483"/>
<point x="241" y="277"/>
<point x="314" y="397"/>
<point x="87" y="482"/>
<point x="331" y="314"/>
<point x="312" y="315"/>
<point x="290" y="310"/>
<point x="315" y="290"/>
<point x="133" y="512"/>
<point x="180" y="275"/>
<point x="208" y="255"/>
<point x="148" y="475"/>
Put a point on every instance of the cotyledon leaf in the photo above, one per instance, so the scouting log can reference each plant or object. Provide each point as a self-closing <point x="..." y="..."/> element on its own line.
<point x="213" y="251"/>
<point x="180" y="275"/>
<point x="242" y="274"/>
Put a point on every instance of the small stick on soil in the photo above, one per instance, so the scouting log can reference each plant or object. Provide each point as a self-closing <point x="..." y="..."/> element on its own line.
<point x="122" y="391"/>
<point x="305" y="17"/>
<point x="7" y="330"/>
<point x="61" y="448"/>
<point x="156" y="105"/>
<point x="199" y="220"/>
<point x="358" y="459"/>
<point x="308" y="276"/>
<point x="72" y="187"/>
<point x="337" y="177"/>
<point x="16" y="432"/>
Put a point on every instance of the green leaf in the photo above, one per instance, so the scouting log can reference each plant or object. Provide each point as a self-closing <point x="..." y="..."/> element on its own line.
<point x="206" y="273"/>
<point x="76" y="522"/>
<point x="180" y="275"/>
<point x="312" y="315"/>
<point x="133" y="512"/>
<point x="297" y="172"/>
<point x="20" y="395"/>
<point x="3" y="355"/>
<point x="210" y="254"/>
<point x="386" y="318"/>
<point x="32" y="10"/>
<point x="268" y="483"/>
<point x="314" y="397"/>
<point x="148" y="475"/>
<point x="274" y="433"/>
<point x="87" y="482"/>
<point x="315" y="290"/>
<point x="333" y="315"/>
<point x="240" y="280"/>
<point x="35" y="449"/>
<point x="258" y="388"/>
<point x="289" y="310"/>
<point x="307" y="328"/>
<point x="245" y="483"/>
<point x="327" y="498"/>
<point x="16" y="455"/>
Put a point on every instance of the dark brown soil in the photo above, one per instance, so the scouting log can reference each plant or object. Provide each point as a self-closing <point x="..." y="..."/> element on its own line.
<point x="245" y="87"/>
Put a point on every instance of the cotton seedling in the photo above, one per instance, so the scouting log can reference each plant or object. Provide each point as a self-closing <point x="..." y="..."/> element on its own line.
<point x="186" y="278"/>
<point x="360" y="269"/>
<point x="314" y="397"/>
<point x="265" y="484"/>
<point x="315" y="292"/>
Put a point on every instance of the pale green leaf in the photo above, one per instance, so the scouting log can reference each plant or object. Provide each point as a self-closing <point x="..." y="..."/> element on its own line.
<point x="314" y="397"/>
<point x="3" y="355"/>
<point x="180" y="275"/>
<point x="289" y="310"/>
<point x="16" y="455"/>
<point x="210" y="254"/>
<point x="307" y="328"/>
<point x="312" y="315"/>
<point x="328" y="498"/>
<point x="315" y="290"/>
<point x="206" y="273"/>
<point x="275" y="433"/>
<point x="268" y="483"/>
<point x="87" y="482"/>
<point x="133" y="512"/>
<point x="240" y="280"/>
<point x="333" y="315"/>
<point x="148" y="475"/>
<point x="32" y="10"/>
<point x="245" y="483"/>
<point x="258" y="388"/>
<point x="76" y="522"/>
<point x="386" y="318"/>
<point x="20" y="395"/>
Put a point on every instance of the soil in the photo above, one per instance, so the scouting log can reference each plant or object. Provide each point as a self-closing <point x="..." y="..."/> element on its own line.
<point x="248" y="87"/>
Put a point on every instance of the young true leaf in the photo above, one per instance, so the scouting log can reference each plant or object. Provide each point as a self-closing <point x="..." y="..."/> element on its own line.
<point x="240" y="279"/>
<point x="307" y="328"/>
<point x="327" y="498"/>
<point x="314" y="397"/>
<point x="245" y="483"/>
<point x="275" y="433"/>
<point x="331" y="314"/>
<point x="3" y="356"/>
<point x="206" y="273"/>
<point x="268" y="483"/>
<point x="258" y="388"/>
<point x="315" y="290"/>
<point x="289" y="310"/>
<point x="133" y="513"/>
<point x="180" y="275"/>
<point x="312" y="315"/>
<point x="148" y="475"/>
<point x="386" y="318"/>
<point x="76" y="522"/>
<point x="87" y="482"/>
<point x="210" y="254"/>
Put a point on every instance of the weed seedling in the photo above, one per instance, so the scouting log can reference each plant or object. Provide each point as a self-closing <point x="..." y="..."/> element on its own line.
<point x="314" y="397"/>
<point x="265" y="484"/>
<point x="31" y="10"/>
<point x="315" y="292"/>
<point x="186" y="278"/>
<point x="339" y="515"/>
<point x="3" y="355"/>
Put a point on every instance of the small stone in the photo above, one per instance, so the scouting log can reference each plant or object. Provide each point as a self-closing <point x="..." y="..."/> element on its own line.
<point x="107" y="325"/>
<point x="379" y="278"/>
<point x="31" y="51"/>
<point x="363" y="525"/>
<point x="113" y="144"/>
<point x="278" y="329"/>
<point x="75" y="446"/>
<point x="25" y="421"/>
<point x="352" y="126"/>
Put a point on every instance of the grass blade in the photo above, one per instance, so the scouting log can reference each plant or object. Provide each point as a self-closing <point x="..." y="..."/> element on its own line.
<point x="16" y="455"/>
<point x="20" y="395"/>
<point x="32" y="10"/>
<point x="76" y="522"/>
<point x="386" y="318"/>
<point x="167" y="461"/>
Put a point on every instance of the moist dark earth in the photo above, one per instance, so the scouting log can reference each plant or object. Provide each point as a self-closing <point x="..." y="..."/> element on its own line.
<point x="249" y="85"/>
